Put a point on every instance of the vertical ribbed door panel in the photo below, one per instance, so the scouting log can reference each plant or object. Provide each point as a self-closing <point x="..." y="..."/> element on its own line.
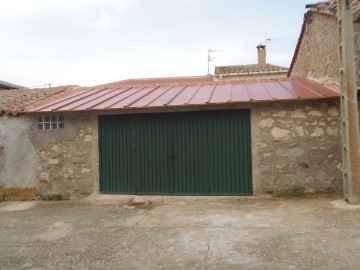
<point x="191" y="153"/>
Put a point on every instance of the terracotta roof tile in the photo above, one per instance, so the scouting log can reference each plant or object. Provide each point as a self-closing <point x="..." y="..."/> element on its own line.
<point x="248" y="69"/>
<point x="162" y="81"/>
<point x="15" y="100"/>
<point x="330" y="7"/>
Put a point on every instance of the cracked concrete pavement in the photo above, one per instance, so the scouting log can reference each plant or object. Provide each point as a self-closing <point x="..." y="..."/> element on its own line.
<point x="196" y="233"/>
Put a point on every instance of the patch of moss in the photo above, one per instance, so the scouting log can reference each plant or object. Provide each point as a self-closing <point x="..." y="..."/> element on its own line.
<point x="2" y="197"/>
<point x="323" y="195"/>
<point x="299" y="192"/>
<point x="295" y="192"/>
<point x="52" y="197"/>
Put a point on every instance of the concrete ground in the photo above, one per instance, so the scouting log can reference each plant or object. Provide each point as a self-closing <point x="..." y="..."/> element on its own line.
<point x="196" y="233"/>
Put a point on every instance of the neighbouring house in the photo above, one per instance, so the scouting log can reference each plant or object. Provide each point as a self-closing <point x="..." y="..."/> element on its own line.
<point x="7" y="86"/>
<point x="179" y="137"/>
<point x="260" y="70"/>
<point x="317" y="52"/>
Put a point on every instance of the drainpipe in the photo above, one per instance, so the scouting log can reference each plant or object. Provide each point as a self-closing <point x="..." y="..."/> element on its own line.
<point x="349" y="105"/>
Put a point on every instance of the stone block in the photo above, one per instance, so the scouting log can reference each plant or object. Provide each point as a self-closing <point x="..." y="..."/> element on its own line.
<point x="44" y="176"/>
<point x="332" y="131"/>
<point x="44" y="182"/>
<point x="298" y="114"/>
<point x="333" y="111"/>
<point x="279" y="133"/>
<point x="281" y="113"/>
<point x="87" y="138"/>
<point x="315" y="113"/>
<point x="53" y="161"/>
<point x="318" y="132"/>
<point x="300" y="131"/>
<point x="268" y="122"/>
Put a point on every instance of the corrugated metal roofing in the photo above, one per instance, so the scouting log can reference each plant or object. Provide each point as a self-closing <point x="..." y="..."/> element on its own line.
<point x="122" y="97"/>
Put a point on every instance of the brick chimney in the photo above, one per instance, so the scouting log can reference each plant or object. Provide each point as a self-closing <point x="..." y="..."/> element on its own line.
<point x="261" y="54"/>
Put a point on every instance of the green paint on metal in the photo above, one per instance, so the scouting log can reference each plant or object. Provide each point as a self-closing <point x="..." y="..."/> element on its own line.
<point x="190" y="153"/>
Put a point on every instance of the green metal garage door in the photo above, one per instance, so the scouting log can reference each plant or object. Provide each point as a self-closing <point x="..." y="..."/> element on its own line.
<point x="192" y="153"/>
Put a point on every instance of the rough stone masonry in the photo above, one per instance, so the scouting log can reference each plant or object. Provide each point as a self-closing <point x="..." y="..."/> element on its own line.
<point x="300" y="147"/>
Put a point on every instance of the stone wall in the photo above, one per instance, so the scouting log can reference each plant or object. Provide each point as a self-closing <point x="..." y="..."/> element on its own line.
<point x="296" y="146"/>
<point x="357" y="51"/>
<point x="49" y="163"/>
<point x="318" y="53"/>
<point x="65" y="157"/>
<point x="299" y="147"/>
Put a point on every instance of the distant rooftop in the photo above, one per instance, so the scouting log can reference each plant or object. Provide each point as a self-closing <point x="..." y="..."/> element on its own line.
<point x="7" y="85"/>
<point x="246" y="69"/>
<point x="330" y="7"/>
<point x="162" y="81"/>
<point x="262" y="67"/>
<point x="16" y="100"/>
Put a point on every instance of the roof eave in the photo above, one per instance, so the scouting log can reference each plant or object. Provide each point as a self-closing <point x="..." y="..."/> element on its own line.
<point x="252" y="73"/>
<point x="8" y="85"/>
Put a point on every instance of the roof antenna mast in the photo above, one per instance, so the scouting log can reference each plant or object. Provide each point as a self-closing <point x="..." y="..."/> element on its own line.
<point x="268" y="38"/>
<point x="210" y="59"/>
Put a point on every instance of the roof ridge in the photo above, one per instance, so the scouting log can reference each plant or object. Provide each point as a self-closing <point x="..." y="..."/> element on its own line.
<point x="181" y="79"/>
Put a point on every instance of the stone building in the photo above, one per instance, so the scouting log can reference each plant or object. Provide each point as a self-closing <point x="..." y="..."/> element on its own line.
<point x="166" y="137"/>
<point x="317" y="52"/>
<point x="190" y="135"/>
<point x="260" y="70"/>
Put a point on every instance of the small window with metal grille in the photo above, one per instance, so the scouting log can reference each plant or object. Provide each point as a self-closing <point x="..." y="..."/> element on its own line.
<point x="50" y="122"/>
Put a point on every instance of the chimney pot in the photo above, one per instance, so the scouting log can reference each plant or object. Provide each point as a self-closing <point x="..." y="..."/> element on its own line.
<point x="261" y="54"/>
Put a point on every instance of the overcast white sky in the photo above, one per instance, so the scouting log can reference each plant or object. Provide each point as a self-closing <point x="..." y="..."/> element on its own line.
<point x="90" y="42"/>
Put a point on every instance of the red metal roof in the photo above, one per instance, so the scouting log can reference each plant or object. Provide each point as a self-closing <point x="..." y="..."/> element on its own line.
<point x="122" y="97"/>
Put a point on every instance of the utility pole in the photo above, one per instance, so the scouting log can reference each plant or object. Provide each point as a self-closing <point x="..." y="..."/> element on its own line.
<point x="349" y="105"/>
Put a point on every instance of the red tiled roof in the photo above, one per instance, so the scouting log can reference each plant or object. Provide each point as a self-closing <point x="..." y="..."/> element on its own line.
<point x="249" y="69"/>
<point x="15" y="100"/>
<point x="162" y="81"/>
<point x="330" y="7"/>
<point x="127" y="97"/>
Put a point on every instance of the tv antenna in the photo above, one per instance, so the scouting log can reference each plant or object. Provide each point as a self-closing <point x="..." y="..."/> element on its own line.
<point x="210" y="59"/>
<point x="43" y="85"/>
<point x="268" y="38"/>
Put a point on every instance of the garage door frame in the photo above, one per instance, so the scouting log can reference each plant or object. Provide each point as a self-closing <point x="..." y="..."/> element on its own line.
<point x="171" y="131"/>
